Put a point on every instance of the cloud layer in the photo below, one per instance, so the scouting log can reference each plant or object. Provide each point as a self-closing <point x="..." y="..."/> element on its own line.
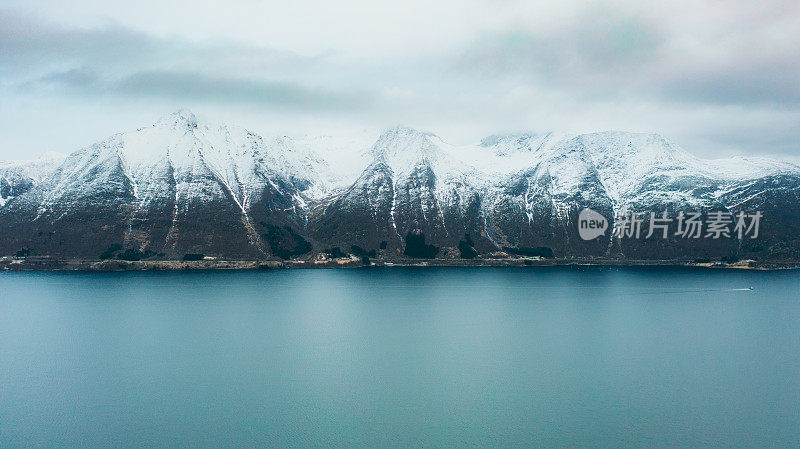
<point x="718" y="78"/>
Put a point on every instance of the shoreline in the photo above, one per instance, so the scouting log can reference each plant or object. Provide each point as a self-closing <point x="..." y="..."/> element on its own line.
<point x="53" y="264"/>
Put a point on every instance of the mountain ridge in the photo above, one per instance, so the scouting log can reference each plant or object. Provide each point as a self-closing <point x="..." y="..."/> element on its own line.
<point x="186" y="186"/>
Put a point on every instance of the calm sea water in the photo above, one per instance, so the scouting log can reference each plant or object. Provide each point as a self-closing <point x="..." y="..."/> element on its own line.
<point x="433" y="357"/>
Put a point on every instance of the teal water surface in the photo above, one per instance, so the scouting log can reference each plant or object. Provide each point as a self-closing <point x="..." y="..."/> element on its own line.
<point x="427" y="357"/>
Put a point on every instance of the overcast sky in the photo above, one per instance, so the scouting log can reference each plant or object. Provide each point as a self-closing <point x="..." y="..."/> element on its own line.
<point x="717" y="77"/>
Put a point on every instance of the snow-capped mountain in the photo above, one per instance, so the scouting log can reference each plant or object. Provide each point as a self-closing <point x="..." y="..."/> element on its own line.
<point x="412" y="183"/>
<point x="614" y="172"/>
<point x="177" y="186"/>
<point x="188" y="186"/>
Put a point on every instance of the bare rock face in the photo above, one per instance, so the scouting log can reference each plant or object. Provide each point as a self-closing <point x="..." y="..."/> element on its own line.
<point x="183" y="187"/>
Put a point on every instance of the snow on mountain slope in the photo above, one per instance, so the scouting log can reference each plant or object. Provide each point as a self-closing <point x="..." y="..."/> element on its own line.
<point x="412" y="183"/>
<point x="512" y="144"/>
<point x="518" y="180"/>
<point x="242" y="164"/>
<point x="242" y="160"/>
<point x="36" y="169"/>
<point x="179" y="186"/>
<point x="627" y="164"/>
<point x="403" y="149"/>
<point x="624" y="159"/>
<point x="318" y="166"/>
<point x="501" y="155"/>
<point x="184" y="185"/>
<point x="742" y="168"/>
<point x="18" y="177"/>
<point x="345" y="155"/>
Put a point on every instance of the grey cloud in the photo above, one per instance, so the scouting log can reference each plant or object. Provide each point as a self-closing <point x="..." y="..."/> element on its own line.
<point x="749" y="82"/>
<point x="597" y="45"/>
<point x="115" y="60"/>
<point x="190" y="86"/>
<point x="31" y="45"/>
<point x="774" y="134"/>
<point x="27" y="42"/>
<point x="74" y="79"/>
<point x="714" y="84"/>
<point x="616" y="55"/>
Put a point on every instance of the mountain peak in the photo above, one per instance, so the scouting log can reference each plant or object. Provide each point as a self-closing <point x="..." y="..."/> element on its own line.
<point x="515" y="143"/>
<point x="402" y="135"/>
<point x="402" y="141"/>
<point x="181" y="118"/>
